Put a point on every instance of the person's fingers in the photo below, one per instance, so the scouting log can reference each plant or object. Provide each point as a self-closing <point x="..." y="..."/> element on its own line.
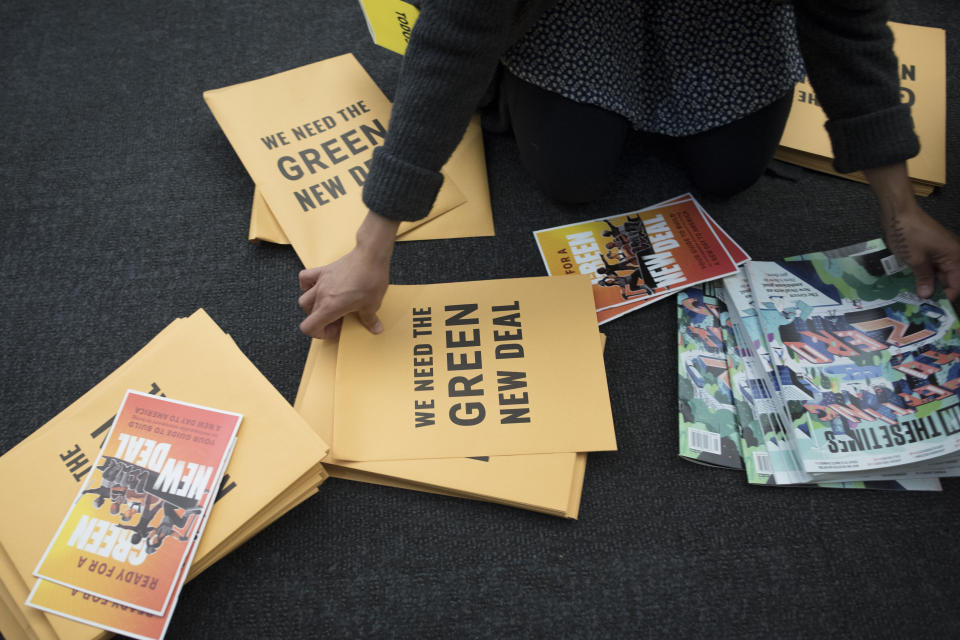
<point x="923" y="275"/>
<point x="307" y="299"/>
<point x="369" y="319"/>
<point x="314" y="325"/>
<point x="308" y="277"/>
<point x="332" y="330"/>
<point x="950" y="279"/>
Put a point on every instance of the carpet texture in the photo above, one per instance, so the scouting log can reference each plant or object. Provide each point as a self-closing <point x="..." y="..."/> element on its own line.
<point x="123" y="207"/>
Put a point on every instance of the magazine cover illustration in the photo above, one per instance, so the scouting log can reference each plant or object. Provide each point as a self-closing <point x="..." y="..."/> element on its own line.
<point x="868" y="372"/>
<point x="638" y="255"/>
<point x="129" y="530"/>
<point x="707" y="416"/>
<point x="767" y="453"/>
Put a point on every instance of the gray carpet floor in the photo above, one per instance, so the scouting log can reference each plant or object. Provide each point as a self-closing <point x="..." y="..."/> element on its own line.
<point x="123" y="206"/>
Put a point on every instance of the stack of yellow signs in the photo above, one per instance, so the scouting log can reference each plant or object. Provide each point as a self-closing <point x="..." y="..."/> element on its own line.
<point x="275" y="465"/>
<point x="922" y="68"/>
<point x="307" y="136"/>
<point x="474" y="389"/>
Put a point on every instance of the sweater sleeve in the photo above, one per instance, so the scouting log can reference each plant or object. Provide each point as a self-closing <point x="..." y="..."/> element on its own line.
<point x="450" y="61"/>
<point x="848" y="50"/>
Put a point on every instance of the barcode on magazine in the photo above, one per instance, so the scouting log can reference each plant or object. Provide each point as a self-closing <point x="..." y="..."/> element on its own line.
<point x="891" y="264"/>
<point x="761" y="460"/>
<point x="703" y="441"/>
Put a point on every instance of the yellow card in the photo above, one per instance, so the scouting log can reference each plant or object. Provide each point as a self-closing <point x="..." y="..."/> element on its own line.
<point x="390" y="22"/>
<point x="495" y="367"/>
<point x="306" y="137"/>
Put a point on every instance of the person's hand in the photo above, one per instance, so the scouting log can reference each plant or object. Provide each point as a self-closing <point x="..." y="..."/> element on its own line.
<point x="927" y="247"/>
<point x="354" y="283"/>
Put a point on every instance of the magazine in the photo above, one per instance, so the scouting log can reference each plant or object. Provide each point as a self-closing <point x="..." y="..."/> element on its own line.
<point x="867" y="371"/>
<point x="744" y="394"/>
<point x="707" y="415"/>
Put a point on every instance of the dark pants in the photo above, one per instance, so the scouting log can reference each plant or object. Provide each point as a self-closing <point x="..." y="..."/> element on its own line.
<point x="571" y="149"/>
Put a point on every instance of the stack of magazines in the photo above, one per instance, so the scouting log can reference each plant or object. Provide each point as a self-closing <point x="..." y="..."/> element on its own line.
<point x="822" y="369"/>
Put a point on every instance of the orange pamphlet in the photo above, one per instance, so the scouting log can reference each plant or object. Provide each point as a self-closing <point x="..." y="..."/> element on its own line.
<point x="638" y="255"/>
<point x="306" y="137"/>
<point x="128" y="531"/>
<point x="494" y="367"/>
<point x="736" y="252"/>
<point x="106" y="614"/>
<point x="99" y="612"/>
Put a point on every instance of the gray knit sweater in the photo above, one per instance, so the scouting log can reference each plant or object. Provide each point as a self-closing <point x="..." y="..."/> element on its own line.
<point x="456" y="45"/>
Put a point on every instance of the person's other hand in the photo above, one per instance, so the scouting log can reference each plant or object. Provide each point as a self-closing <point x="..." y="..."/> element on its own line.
<point x="354" y="283"/>
<point x="930" y="250"/>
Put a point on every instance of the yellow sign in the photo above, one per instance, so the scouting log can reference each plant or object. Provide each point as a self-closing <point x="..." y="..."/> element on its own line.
<point x="487" y="368"/>
<point x="275" y="464"/>
<point x="306" y="137"/>
<point x="550" y="483"/>
<point x="467" y="169"/>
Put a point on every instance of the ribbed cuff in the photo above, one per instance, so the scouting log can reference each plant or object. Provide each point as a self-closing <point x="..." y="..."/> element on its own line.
<point x="398" y="190"/>
<point x="873" y="140"/>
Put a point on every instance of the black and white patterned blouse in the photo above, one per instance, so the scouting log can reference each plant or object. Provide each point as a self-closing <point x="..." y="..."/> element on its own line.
<point x="675" y="67"/>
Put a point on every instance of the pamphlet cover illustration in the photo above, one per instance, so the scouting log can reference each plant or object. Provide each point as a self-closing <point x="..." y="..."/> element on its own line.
<point x="868" y="372"/>
<point x="736" y="252"/>
<point x="707" y="415"/>
<point x="128" y="532"/>
<point x="767" y="454"/>
<point x="638" y="255"/>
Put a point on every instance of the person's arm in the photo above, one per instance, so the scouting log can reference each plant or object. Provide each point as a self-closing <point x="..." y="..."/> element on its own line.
<point x="848" y="50"/>
<point x="454" y="50"/>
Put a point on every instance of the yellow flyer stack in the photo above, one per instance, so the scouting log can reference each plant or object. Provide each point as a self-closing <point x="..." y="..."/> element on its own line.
<point x="921" y="52"/>
<point x="474" y="389"/>
<point x="274" y="466"/>
<point x="467" y="168"/>
<point x="306" y="136"/>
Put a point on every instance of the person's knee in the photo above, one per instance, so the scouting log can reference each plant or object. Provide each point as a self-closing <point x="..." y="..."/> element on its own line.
<point x="724" y="184"/>
<point x="573" y="186"/>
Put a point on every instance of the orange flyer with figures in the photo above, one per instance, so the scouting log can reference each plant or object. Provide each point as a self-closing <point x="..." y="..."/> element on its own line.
<point x="641" y="255"/>
<point x="128" y="534"/>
